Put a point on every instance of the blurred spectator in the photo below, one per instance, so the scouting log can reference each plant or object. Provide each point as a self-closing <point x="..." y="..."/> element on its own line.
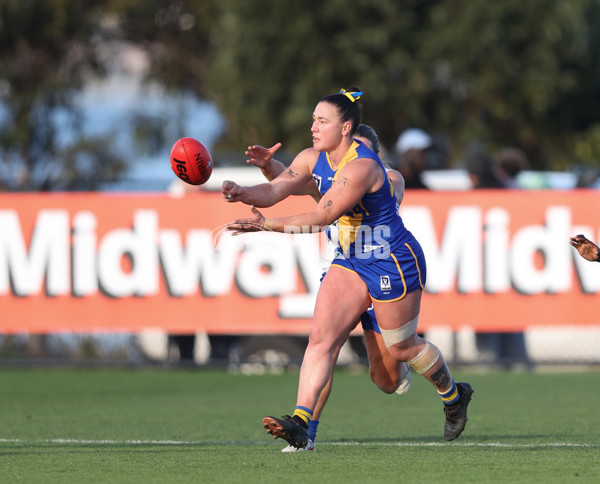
<point x="509" y="162"/>
<point x="412" y="147"/>
<point x="588" y="178"/>
<point x="480" y="167"/>
<point x="506" y="348"/>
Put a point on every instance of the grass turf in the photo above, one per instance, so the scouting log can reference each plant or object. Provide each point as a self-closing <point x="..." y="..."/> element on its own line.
<point x="205" y="426"/>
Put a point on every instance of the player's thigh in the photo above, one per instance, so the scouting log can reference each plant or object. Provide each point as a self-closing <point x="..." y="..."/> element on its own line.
<point x="395" y="314"/>
<point x="341" y="299"/>
<point x="381" y="363"/>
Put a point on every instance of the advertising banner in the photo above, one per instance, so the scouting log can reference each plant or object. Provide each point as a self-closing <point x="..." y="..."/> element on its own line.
<point x="497" y="260"/>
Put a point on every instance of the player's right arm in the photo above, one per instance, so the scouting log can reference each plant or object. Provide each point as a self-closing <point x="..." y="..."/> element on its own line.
<point x="271" y="168"/>
<point x="285" y="184"/>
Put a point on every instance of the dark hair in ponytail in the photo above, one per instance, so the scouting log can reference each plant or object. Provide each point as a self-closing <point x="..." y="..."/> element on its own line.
<point x="346" y="102"/>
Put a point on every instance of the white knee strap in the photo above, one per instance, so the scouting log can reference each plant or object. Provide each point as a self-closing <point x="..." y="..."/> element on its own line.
<point x="393" y="336"/>
<point x="425" y="359"/>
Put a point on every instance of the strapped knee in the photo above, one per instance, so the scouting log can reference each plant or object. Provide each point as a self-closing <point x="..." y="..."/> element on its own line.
<point x="425" y="360"/>
<point x="393" y="336"/>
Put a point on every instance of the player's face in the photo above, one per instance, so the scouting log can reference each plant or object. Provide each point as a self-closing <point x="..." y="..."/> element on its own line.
<point x="326" y="127"/>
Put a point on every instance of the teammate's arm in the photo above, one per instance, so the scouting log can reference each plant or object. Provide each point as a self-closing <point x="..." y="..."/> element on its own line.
<point x="398" y="183"/>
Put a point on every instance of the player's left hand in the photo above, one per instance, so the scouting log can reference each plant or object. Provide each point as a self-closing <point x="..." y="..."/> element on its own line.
<point x="252" y="224"/>
<point x="260" y="156"/>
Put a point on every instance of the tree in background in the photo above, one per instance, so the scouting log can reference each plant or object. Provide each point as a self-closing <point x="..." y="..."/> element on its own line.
<point x="509" y="73"/>
<point x="47" y="50"/>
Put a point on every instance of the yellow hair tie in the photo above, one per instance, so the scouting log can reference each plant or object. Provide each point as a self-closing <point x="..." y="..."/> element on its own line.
<point x="353" y="96"/>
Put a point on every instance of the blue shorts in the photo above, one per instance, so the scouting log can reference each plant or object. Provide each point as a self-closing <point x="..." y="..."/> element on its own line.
<point x="368" y="320"/>
<point x="390" y="278"/>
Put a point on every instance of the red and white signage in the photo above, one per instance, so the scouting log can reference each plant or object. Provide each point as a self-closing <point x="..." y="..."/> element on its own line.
<point x="496" y="260"/>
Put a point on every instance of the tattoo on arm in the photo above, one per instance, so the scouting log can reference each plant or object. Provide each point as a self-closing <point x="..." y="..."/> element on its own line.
<point x="292" y="173"/>
<point x="342" y="184"/>
<point x="328" y="206"/>
<point x="441" y="378"/>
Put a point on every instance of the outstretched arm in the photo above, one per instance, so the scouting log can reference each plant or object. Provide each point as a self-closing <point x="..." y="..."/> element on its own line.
<point x="353" y="181"/>
<point x="263" y="158"/>
<point x="271" y="168"/>
<point x="284" y="185"/>
<point x="586" y="248"/>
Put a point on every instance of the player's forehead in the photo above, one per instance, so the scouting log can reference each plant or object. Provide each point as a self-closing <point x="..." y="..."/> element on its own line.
<point x="326" y="112"/>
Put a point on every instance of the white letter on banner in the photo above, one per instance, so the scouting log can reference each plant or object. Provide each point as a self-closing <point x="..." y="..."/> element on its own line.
<point x="85" y="277"/>
<point x="48" y="255"/>
<point x="310" y="263"/>
<point x="460" y="255"/>
<point x="141" y="245"/>
<point x="268" y="265"/>
<point x="185" y="267"/>
<point x="220" y="264"/>
<point x="496" y="243"/>
<point x="551" y="241"/>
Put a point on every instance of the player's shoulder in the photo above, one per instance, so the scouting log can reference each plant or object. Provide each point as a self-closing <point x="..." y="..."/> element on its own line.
<point x="307" y="157"/>
<point x="307" y="154"/>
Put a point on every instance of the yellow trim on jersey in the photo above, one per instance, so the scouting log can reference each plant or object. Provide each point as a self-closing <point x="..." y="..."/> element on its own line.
<point x="392" y="191"/>
<point x="348" y="224"/>
<point x="350" y="155"/>
<point x="416" y="263"/>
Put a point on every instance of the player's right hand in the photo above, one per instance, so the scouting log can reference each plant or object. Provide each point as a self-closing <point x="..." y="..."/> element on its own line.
<point x="260" y="156"/>
<point x="231" y="191"/>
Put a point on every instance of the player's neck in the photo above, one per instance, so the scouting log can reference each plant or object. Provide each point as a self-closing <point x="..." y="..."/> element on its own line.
<point x="337" y="155"/>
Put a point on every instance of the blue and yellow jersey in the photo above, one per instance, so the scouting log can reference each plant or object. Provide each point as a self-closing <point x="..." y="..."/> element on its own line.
<point x="373" y="225"/>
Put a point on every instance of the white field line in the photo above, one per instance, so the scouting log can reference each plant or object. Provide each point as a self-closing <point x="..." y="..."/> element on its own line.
<point x="348" y="444"/>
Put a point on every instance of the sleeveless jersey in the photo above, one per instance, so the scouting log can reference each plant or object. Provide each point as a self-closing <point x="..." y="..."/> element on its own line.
<point x="373" y="226"/>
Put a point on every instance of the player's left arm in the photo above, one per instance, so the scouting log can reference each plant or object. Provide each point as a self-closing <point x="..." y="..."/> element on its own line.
<point x="271" y="168"/>
<point x="353" y="181"/>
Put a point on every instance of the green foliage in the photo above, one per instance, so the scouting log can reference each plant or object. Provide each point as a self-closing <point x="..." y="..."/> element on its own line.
<point x="508" y="73"/>
<point x="47" y="51"/>
<point x="205" y="426"/>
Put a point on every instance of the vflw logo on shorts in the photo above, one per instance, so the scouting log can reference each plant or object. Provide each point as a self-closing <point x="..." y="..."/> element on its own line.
<point x="385" y="283"/>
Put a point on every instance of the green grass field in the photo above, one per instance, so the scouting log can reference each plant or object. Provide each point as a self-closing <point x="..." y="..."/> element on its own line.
<point x="146" y="426"/>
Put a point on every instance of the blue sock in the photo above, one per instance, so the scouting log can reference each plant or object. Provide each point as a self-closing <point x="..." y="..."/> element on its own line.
<point x="312" y="429"/>
<point x="451" y="395"/>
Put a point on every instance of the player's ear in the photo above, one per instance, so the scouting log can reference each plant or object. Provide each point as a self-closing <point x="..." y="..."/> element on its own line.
<point x="346" y="128"/>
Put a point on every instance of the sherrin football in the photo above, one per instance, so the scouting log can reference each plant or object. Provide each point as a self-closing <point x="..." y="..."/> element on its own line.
<point x="191" y="161"/>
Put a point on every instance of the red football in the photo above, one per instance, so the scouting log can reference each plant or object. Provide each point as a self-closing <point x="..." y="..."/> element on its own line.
<point x="191" y="161"/>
